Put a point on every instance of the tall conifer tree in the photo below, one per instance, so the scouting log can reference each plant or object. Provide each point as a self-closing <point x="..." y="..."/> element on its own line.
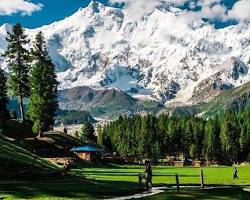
<point x="244" y="140"/>
<point x="230" y="134"/>
<point x="3" y="97"/>
<point x="88" y="132"/>
<point x="210" y="141"/>
<point x="18" y="60"/>
<point x="43" y="101"/>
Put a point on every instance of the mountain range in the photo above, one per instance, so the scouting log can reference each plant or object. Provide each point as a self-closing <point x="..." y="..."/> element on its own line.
<point x="109" y="64"/>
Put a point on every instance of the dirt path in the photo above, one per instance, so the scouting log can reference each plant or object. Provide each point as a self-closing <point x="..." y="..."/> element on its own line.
<point x="158" y="190"/>
<point x="155" y="190"/>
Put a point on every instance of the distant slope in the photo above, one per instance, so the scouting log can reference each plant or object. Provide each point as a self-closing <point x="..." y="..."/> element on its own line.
<point x="81" y="98"/>
<point x="68" y="117"/>
<point x="235" y="99"/>
<point x="182" y="111"/>
<point x="108" y="103"/>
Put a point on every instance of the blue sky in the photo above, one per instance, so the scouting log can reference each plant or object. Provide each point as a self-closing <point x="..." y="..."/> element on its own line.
<point x="53" y="10"/>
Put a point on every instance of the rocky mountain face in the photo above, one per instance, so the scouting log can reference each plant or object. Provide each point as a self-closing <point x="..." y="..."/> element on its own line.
<point x="104" y="102"/>
<point x="86" y="98"/>
<point x="236" y="100"/>
<point x="157" y="57"/>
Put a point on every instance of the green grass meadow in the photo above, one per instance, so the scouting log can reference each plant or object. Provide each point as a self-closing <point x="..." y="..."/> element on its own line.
<point x="166" y="175"/>
<point x="116" y="180"/>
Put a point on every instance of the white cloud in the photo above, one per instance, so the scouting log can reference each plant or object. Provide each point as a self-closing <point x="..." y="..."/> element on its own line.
<point x="138" y="8"/>
<point x="25" y="7"/>
<point x="210" y="9"/>
<point x="205" y="3"/>
<point x="240" y="11"/>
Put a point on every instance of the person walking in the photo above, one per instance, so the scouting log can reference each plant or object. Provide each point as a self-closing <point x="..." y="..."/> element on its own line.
<point x="235" y="173"/>
<point x="148" y="174"/>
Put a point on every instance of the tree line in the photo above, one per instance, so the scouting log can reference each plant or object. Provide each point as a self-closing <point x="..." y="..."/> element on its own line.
<point x="31" y="76"/>
<point x="224" y="140"/>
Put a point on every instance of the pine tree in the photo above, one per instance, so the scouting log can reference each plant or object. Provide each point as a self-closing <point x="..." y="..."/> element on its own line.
<point x="4" y="115"/>
<point x="230" y="137"/>
<point x="18" y="60"/>
<point x="209" y="148"/>
<point x="3" y="97"/>
<point x="88" y="133"/>
<point x="43" y="100"/>
<point x="244" y="141"/>
<point x="188" y="138"/>
<point x="217" y="144"/>
<point x="198" y="132"/>
<point x="99" y="135"/>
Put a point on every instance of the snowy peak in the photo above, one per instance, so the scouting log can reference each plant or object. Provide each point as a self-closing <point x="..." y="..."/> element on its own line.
<point x="158" y="56"/>
<point x="5" y="28"/>
<point x="95" y="7"/>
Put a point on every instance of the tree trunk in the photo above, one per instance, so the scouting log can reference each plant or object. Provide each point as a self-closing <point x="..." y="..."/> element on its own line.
<point x="40" y="133"/>
<point x="41" y="130"/>
<point x="21" y="109"/>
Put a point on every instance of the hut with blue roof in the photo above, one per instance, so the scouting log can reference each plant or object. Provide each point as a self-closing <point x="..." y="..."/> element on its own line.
<point x="88" y="152"/>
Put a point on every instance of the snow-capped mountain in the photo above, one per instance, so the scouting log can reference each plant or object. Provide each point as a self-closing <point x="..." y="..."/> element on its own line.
<point x="156" y="57"/>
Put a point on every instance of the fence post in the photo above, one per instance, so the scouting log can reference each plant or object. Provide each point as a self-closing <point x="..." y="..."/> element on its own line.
<point x="177" y="182"/>
<point x="202" y="178"/>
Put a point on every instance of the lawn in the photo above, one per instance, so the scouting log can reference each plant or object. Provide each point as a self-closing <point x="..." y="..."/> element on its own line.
<point x="166" y="175"/>
<point x="65" y="188"/>
<point x="117" y="180"/>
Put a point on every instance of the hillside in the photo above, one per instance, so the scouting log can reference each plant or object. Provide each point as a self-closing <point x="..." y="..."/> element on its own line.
<point x="16" y="160"/>
<point x="236" y="99"/>
<point x="68" y="117"/>
<point x="107" y="103"/>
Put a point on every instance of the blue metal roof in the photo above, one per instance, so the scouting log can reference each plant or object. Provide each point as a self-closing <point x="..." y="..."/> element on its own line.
<point x="86" y="148"/>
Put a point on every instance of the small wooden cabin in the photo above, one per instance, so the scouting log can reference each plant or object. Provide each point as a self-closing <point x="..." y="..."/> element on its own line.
<point x="196" y="163"/>
<point x="88" y="153"/>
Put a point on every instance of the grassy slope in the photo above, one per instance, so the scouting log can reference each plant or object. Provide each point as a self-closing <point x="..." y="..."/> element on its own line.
<point x="14" y="154"/>
<point x="52" y="144"/>
<point x="63" y="138"/>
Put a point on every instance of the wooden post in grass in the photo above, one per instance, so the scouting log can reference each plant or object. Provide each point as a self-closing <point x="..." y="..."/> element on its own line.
<point x="202" y="178"/>
<point x="177" y="182"/>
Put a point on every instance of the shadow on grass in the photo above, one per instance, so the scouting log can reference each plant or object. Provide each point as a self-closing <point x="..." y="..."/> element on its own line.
<point x="104" y="165"/>
<point x="95" y="173"/>
<point x="235" y="193"/>
<point x="66" y="188"/>
<point x="125" y="173"/>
